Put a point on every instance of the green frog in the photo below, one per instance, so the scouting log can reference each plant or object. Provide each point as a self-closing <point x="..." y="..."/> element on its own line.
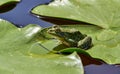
<point x="71" y="38"/>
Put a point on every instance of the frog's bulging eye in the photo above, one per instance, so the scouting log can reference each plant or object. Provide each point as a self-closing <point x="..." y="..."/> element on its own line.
<point x="50" y="31"/>
<point x="55" y="26"/>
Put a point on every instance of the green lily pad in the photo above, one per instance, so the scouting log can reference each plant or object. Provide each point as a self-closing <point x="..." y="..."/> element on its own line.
<point x="103" y="13"/>
<point x="5" y="1"/>
<point x="24" y="39"/>
<point x="106" y="42"/>
<point x="45" y="64"/>
<point x="21" y="53"/>
<point x="103" y="18"/>
<point x="40" y="64"/>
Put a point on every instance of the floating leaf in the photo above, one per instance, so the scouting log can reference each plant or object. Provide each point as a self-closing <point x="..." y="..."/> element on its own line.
<point x="106" y="42"/>
<point x="5" y="1"/>
<point x="22" y="39"/>
<point x="103" y="13"/>
<point x="103" y="25"/>
<point x="21" y="53"/>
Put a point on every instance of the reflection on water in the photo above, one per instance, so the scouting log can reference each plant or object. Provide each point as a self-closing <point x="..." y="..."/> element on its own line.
<point x="21" y="16"/>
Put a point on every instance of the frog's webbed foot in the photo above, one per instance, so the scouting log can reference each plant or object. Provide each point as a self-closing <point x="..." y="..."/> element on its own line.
<point x="86" y="43"/>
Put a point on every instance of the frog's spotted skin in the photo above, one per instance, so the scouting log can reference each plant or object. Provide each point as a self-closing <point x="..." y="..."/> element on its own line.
<point x="71" y="38"/>
<point x="86" y="43"/>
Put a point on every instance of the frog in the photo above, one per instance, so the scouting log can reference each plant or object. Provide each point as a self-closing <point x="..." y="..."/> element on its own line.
<point x="71" y="38"/>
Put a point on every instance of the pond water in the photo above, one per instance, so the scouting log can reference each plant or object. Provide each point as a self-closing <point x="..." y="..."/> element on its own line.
<point x="20" y="15"/>
<point x="97" y="66"/>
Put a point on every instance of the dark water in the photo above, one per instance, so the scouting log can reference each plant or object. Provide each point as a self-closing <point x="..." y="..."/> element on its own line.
<point x="97" y="66"/>
<point x="20" y="15"/>
<point x="102" y="69"/>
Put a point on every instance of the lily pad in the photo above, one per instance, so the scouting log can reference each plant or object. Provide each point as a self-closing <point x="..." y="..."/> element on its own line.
<point x="13" y="38"/>
<point x="40" y="64"/>
<point x="103" y="18"/>
<point x="103" y="13"/>
<point x="106" y="42"/>
<point x="18" y="57"/>
<point x="5" y="1"/>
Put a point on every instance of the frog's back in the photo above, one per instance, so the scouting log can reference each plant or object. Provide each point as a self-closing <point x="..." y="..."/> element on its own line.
<point x="77" y="36"/>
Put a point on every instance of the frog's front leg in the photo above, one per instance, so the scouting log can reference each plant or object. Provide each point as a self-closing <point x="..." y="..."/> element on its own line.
<point x="86" y="43"/>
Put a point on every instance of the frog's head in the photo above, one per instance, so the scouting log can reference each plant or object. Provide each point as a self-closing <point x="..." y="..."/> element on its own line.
<point x="55" y="31"/>
<point x="60" y="34"/>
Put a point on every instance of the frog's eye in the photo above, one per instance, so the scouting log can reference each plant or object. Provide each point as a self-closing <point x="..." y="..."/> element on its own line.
<point x="56" y="26"/>
<point x="49" y="31"/>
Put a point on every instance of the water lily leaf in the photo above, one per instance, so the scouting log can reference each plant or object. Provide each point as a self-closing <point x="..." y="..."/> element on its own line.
<point x="106" y="42"/>
<point x="40" y="64"/>
<point x="17" y="55"/>
<point x="5" y="1"/>
<point x="24" y="39"/>
<point x="103" y="13"/>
